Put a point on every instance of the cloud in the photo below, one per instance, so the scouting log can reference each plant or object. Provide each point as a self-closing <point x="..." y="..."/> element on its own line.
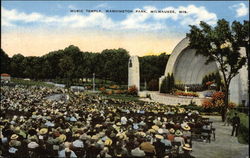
<point x="241" y="9"/>
<point x="102" y="5"/>
<point x="158" y="20"/>
<point x="133" y="21"/>
<point x="71" y="7"/>
<point x="8" y="16"/>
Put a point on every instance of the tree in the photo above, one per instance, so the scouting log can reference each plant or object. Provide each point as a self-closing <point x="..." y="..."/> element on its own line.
<point x="221" y="44"/>
<point x="152" y="66"/>
<point x="67" y="69"/>
<point x="17" y="66"/>
<point x="5" y="62"/>
<point x="171" y="82"/>
<point x="163" y="88"/>
<point x="153" y="85"/>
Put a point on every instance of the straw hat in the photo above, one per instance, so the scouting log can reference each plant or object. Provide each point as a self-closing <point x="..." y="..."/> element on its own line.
<point x="151" y="131"/>
<point x="186" y="127"/>
<point x="141" y="134"/>
<point x="94" y="137"/>
<point x="15" y="143"/>
<point x="187" y="147"/>
<point x="118" y="124"/>
<point x="76" y="135"/>
<point x="159" y="136"/>
<point x="33" y="145"/>
<point x="14" y="136"/>
<point x="178" y="133"/>
<point x="171" y="130"/>
<point x="108" y="142"/>
<point x="160" y="130"/>
<point x="155" y="127"/>
<point x="43" y="131"/>
<point x="98" y="125"/>
<point x="62" y="138"/>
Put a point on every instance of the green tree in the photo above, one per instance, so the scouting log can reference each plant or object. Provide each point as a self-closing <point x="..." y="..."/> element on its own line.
<point x="163" y="88"/>
<point x="152" y="66"/>
<point x="5" y="62"/>
<point x="221" y="44"/>
<point x="171" y="82"/>
<point x="67" y="69"/>
<point x="17" y="66"/>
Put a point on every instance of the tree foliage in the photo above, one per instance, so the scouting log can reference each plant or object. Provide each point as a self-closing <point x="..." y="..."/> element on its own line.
<point x="222" y="44"/>
<point x="5" y="62"/>
<point x="168" y="84"/>
<point x="152" y="67"/>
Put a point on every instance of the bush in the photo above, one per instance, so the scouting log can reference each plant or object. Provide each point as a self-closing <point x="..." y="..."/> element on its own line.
<point x="114" y="87"/>
<point x="132" y="90"/>
<point x="109" y="92"/>
<point x="153" y="85"/>
<point x="163" y="88"/>
<point x="193" y="107"/>
<point x="190" y="94"/>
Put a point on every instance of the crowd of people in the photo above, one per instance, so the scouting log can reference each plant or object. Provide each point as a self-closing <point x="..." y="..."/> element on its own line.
<point x="82" y="125"/>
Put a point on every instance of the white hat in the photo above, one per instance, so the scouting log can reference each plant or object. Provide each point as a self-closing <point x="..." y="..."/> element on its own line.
<point x="78" y="144"/>
<point x="12" y="150"/>
<point x="160" y="130"/>
<point x="33" y="145"/>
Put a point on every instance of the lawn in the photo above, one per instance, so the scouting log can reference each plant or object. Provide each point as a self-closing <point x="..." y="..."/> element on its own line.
<point x="30" y="82"/>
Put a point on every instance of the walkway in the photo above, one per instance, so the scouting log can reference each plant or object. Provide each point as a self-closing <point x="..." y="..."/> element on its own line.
<point x="171" y="99"/>
<point x="225" y="146"/>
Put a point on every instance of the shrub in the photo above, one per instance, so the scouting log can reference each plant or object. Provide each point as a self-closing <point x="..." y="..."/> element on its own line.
<point x="102" y="89"/>
<point x="132" y="90"/>
<point x="114" y="87"/>
<point x="207" y="103"/>
<point x="109" y="92"/>
<point x="118" y="91"/>
<point x="153" y="85"/>
<point x="163" y="88"/>
<point x="190" y="94"/>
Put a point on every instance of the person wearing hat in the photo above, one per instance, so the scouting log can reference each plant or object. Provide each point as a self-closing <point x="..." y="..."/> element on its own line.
<point x="235" y="124"/>
<point x="148" y="148"/>
<point x="179" y="139"/>
<point x="186" y="132"/>
<point x="186" y="152"/>
<point x="137" y="152"/>
<point x="67" y="152"/>
<point x="159" y="146"/>
<point x="171" y="135"/>
<point x="104" y="153"/>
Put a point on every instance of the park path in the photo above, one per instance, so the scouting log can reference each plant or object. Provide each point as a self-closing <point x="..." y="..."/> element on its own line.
<point x="225" y="146"/>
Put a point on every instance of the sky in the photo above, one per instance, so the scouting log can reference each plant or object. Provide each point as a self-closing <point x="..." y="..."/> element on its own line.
<point x="35" y="28"/>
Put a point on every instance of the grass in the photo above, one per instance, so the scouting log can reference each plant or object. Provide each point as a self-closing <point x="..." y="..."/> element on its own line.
<point x="124" y="97"/>
<point x="243" y="136"/>
<point x="30" y="83"/>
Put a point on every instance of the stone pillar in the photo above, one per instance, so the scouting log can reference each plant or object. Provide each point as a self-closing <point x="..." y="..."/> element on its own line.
<point x="134" y="72"/>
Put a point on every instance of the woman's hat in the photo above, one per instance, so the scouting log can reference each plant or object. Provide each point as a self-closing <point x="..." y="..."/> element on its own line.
<point x="187" y="147"/>
<point x="43" y="131"/>
<point x="62" y="138"/>
<point x="178" y="133"/>
<point x="108" y="142"/>
<point x="171" y="130"/>
<point x="159" y="136"/>
<point x="14" y="136"/>
<point x="186" y="127"/>
<point x="155" y="127"/>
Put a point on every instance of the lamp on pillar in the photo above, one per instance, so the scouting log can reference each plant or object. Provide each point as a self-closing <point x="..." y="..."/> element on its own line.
<point x="93" y="82"/>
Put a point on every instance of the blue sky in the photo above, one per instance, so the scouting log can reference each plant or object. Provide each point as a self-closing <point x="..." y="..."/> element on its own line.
<point x="24" y="20"/>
